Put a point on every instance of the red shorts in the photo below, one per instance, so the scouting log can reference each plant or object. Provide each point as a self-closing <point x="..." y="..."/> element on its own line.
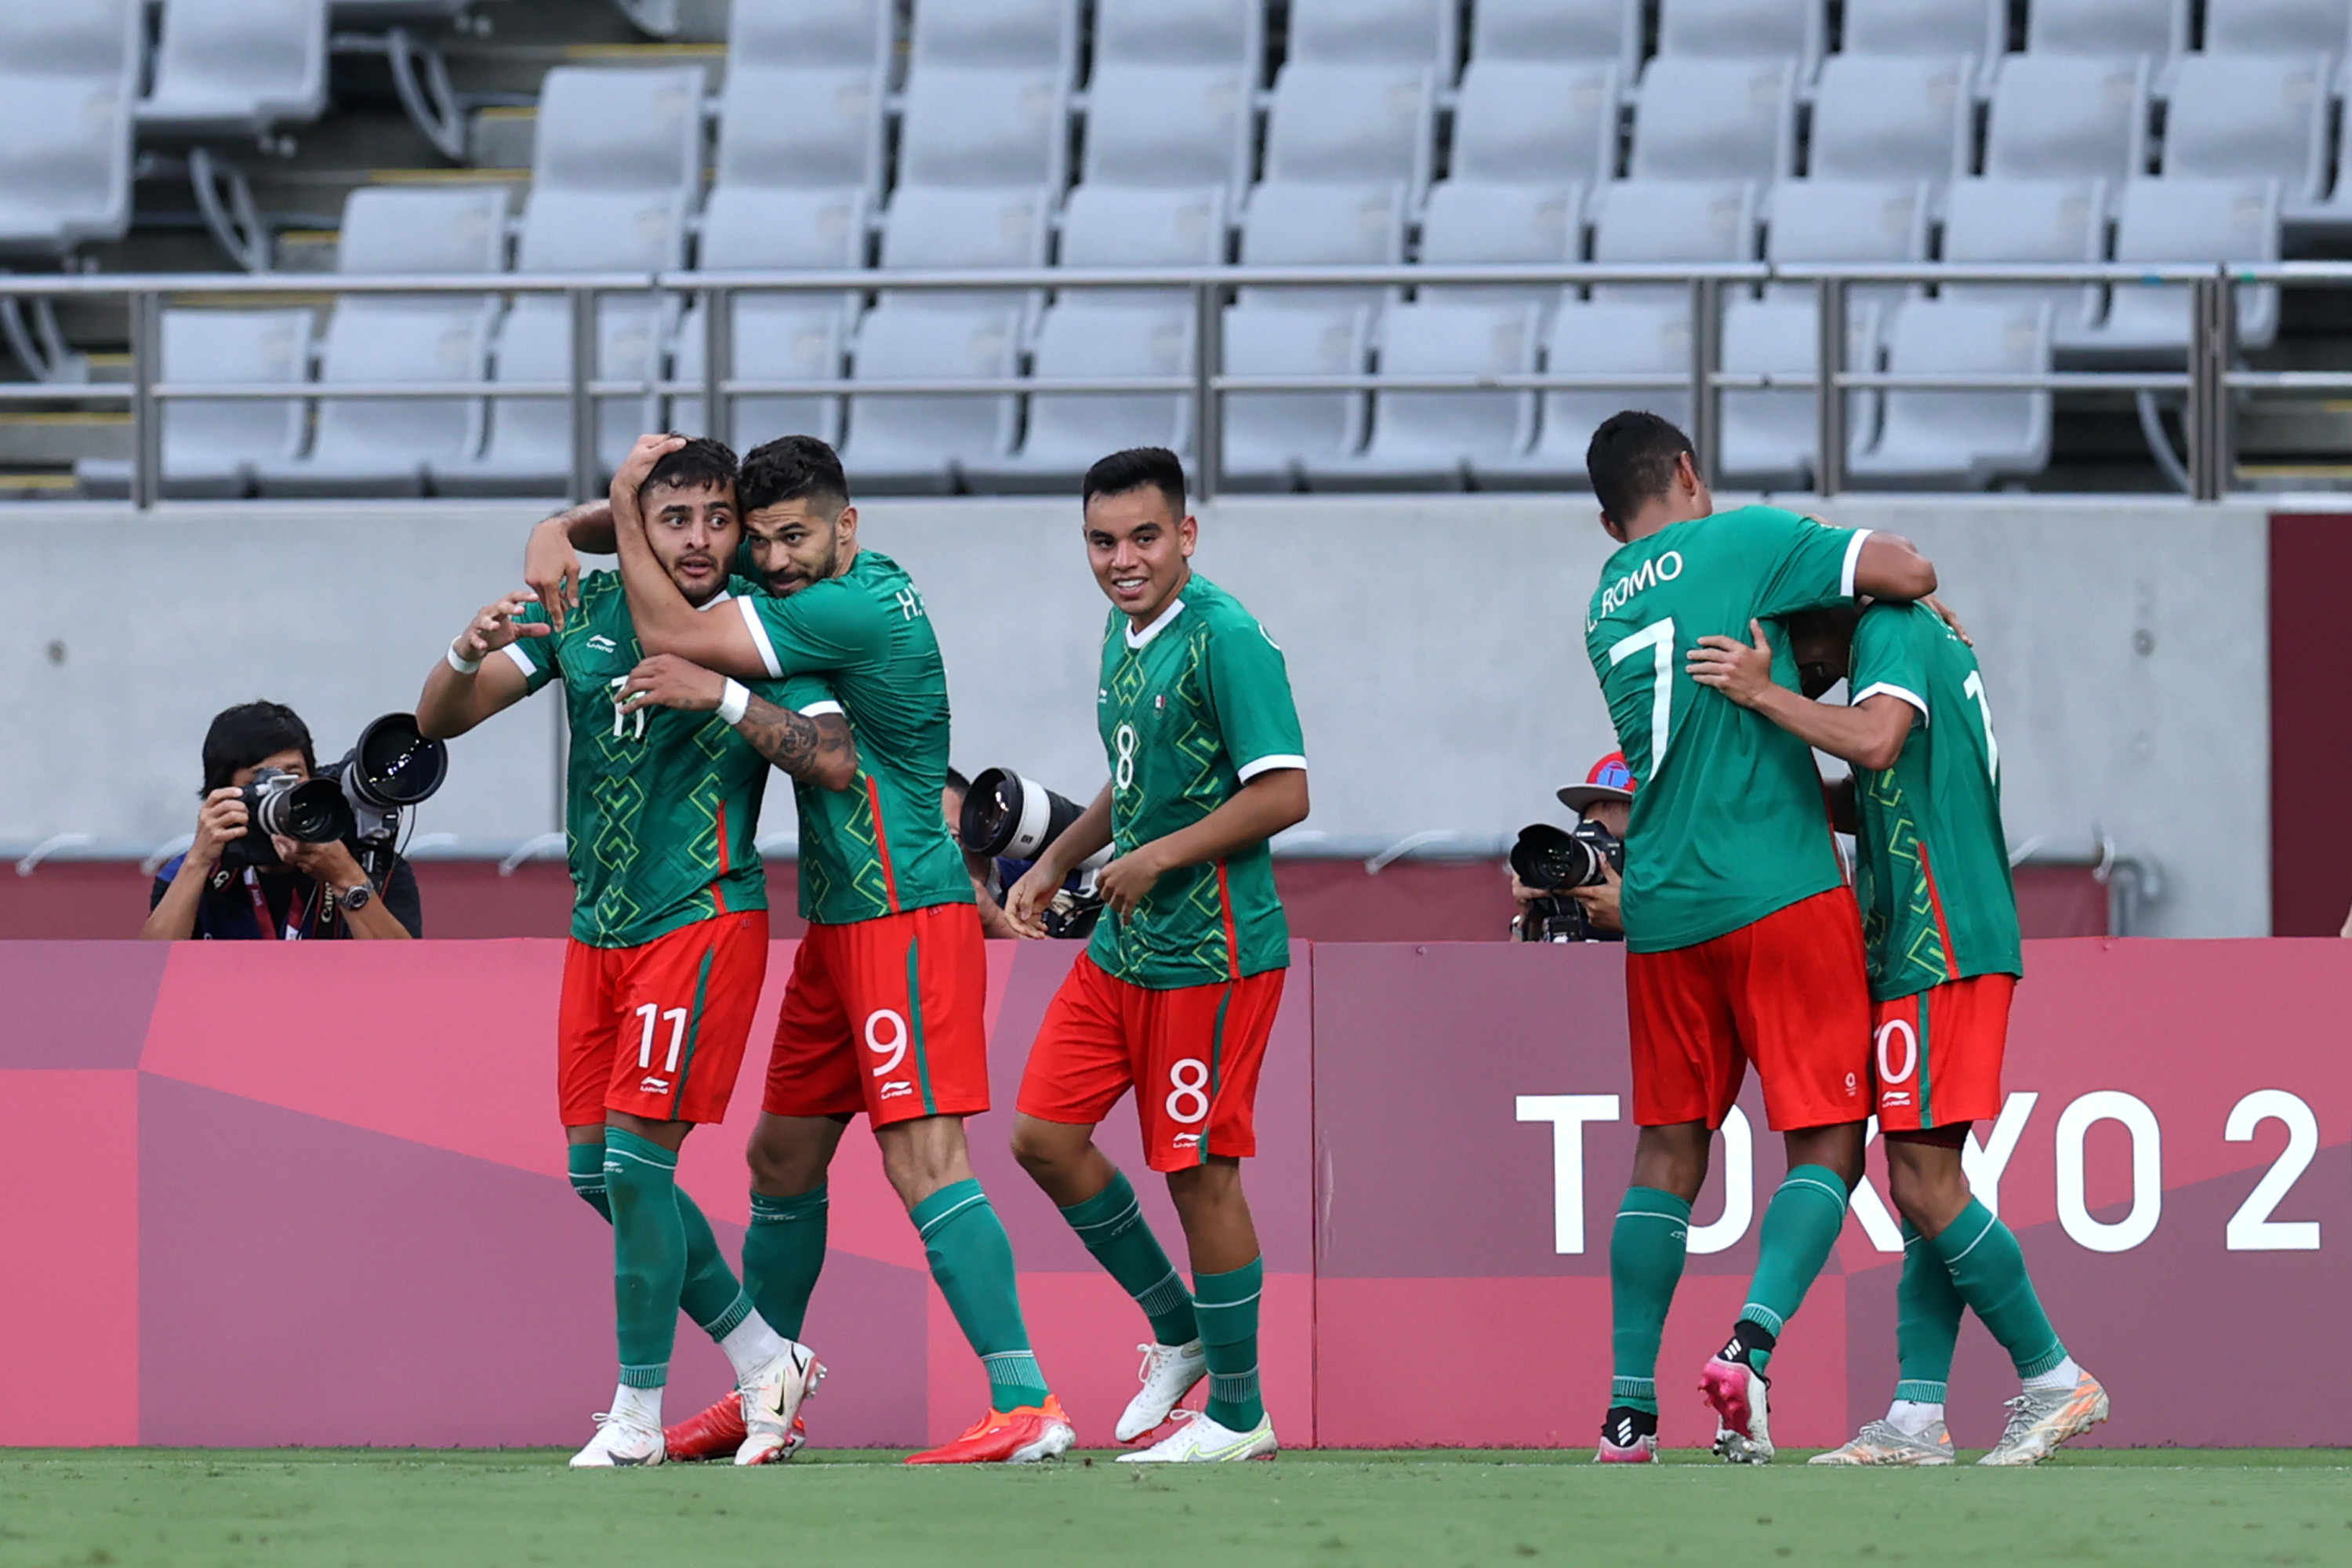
<point x="657" y="1031"/>
<point x="1788" y="992"/>
<point x="888" y="1016"/>
<point x="1938" y="1057"/>
<point x="1192" y="1054"/>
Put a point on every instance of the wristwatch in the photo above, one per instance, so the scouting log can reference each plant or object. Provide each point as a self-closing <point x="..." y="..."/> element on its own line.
<point x="353" y="899"/>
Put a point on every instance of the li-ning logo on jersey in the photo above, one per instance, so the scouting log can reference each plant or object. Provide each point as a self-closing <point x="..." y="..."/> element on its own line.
<point x="1649" y="574"/>
<point x="600" y="643"/>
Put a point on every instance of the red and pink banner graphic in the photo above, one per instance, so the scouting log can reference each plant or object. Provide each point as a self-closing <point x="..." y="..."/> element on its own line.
<point x="264" y="1194"/>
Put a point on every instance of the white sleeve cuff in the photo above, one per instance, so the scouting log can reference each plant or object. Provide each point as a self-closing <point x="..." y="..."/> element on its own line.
<point x="734" y="701"/>
<point x="1249" y="771"/>
<point x="768" y="649"/>
<point x="513" y="650"/>
<point x="816" y="708"/>
<point x="1888" y="689"/>
<point x="1853" y="559"/>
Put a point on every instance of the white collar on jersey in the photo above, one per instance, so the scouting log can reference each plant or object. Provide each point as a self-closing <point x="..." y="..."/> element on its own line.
<point x="1143" y="638"/>
<point x="720" y="597"/>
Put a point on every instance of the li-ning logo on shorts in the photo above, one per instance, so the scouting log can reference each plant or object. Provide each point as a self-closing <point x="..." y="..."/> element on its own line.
<point x="1895" y="1097"/>
<point x="897" y="1088"/>
<point x="1185" y="1141"/>
<point x="654" y="1085"/>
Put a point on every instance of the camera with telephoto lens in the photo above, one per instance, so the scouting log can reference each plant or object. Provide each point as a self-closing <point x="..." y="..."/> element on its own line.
<point x="360" y="799"/>
<point x="1554" y="860"/>
<point x="1007" y="817"/>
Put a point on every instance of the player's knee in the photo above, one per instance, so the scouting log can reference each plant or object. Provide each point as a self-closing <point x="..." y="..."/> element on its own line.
<point x="1039" y="1151"/>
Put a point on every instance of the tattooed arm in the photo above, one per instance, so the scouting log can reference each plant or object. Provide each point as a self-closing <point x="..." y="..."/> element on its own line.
<point x="817" y="750"/>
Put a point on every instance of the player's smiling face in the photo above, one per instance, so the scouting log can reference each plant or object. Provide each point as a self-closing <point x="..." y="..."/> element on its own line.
<point x="1140" y="550"/>
<point x="794" y="543"/>
<point x="694" y="533"/>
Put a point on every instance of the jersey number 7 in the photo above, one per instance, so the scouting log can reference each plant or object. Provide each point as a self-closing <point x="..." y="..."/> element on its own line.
<point x="1659" y="638"/>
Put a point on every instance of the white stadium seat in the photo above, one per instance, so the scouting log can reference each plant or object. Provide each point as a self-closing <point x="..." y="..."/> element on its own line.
<point x="211" y="446"/>
<point x="1124" y="225"/>
<point x="1181" y="32"/>
<point x="2259" y="116"/>
<point x="1908" y="118"/>
<point x="1429" y="440"/>
<point x="1846" y="220"/>
<point x="1604" y="337"/>
<point x="236" y="67"/>
<point x="1595" y="30"/>
<point x="1743" y="29"/>
<point x="984" y="127"/>
<point x="1715" y="120"/>
<point x="1960" y="438"/>
<point x="2061" y="117"/>
<point x="1350" y="122"/>
<point x="2155" y="28"/>
<point x="804" y="34"/>
<point x="1384" y="32"/>
<point x="1170" y="125"/>
<point x="66" y="95"/>
<point x="778" y="337"/>
<point x="1771" y="438"/>
<point x="1467" y="222"/>
<point x="2184" y="220"/>
<point x="941" y="228"/>
<point x="72" y="38"/>
<point x="2278" y="26"/>
<point x="1674" y="220"/>
<point x="1303" y="225"/>
<point x="1997" y="220"/>
<point x="916" y="445"/>
<point x="1000" y="35"/>
<point x="1082" y="336"/>
<point x="795" y="127"/>
<point x="615" y="129"/>
<point x="1940" y="27"/>
<point x="1270" y="437"/>
<point x="1540" y="120"/>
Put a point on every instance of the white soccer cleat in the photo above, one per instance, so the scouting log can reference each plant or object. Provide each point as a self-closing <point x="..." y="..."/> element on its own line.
<point x="771" y="1399"/>
<point x="619" y="1442"/>
<point x="1201" y="1441"/>
<point x="1883" y="1443"/>
<point x="1739" y="1394"/>
<point x="1169" y="1373"/>
<point x="2038" y="1422"/>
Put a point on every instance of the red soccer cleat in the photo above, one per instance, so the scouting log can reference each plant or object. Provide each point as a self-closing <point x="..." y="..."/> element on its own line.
<point x="1020" y="1436"/>
<point x="717" y="1432"/>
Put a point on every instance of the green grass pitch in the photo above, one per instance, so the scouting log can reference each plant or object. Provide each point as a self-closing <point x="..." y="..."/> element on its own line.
<point x="324" y="1508"/>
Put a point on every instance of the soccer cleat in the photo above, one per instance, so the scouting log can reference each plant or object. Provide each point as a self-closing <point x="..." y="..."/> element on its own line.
<point x="1740" y="1395"/>
<point x="771" y="1399"/>
<point x="717" y="1433"/>
<point x="619" y="1442"/>
<point x="2040" y="1420"/>
<point x="1169" y="1373"/>
<point x="1201" y="1441"/>
<point x="1883" y="1443"/>
<point x="1020" y="1436"/>
<point x="1624" y="1439"/>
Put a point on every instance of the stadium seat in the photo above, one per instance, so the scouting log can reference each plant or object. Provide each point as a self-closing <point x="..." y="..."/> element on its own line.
<point x="2028" y="221"/>
<point x="1846" y="220"/>
<point x="616" y="128"/>
<point x="1636" y="221"/>
<point x="2278" y="26"/>
<point x="75" y="38"/>
<point x="1181" y="32"/>
<point x="382" y="447"/>
<point x="937" y="229"/>
<point x="1743" y="29"/>
<point x="236" y="67"/>
<point x="211" y="446"/>
<point x="1771" y="437"/>
<point x="1539" y="121"/>
<point x="1429" y="440"/>
<point x="1960" y="438"/>
<point x="2061" y="117"/>
<point x="781" y="337"/>
<point x="1295" y="224"/>
<point x="2251" y="116"/>
<point x="1350" y="122"/>
<point x="1946" y="28"/>
<point x="1270" y="437"/>
<point x="68" y="79"/>
<point x="1083" y="336"/>
<point x="2155" y="28"/>
<point x="1604" y="337"/>
<point x="1122" y="226"/>
<point x="791" y="126"/>
<point x="1368" y="32"/>
<point x="1893" y="118"/>
<point x="995" y="34"/>
<point x="807" y="34"/>
<point x="984" y="127"/>
<point x="909" y="444"/>
<point x="2178" y="219"/>
<point x="1468" y="222"/>
<point x="1715" y="120"/>
<point x="1595" y="30"/>
<point x="1170" y="125"/>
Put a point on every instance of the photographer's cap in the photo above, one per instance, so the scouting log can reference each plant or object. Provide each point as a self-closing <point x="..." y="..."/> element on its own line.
<point x="1610" y="779"/>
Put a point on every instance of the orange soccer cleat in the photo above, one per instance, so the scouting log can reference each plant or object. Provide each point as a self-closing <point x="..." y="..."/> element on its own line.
<point x="1020" y="1436"/>
<point x="717" y="1432"/>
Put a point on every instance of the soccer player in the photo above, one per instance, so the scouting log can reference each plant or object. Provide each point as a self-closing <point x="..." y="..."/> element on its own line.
<point x="1742" y="944"/>
<point x="669" y="934"/>
<point x="885" y="1011"/>
<point x="1940" y="924"/>
<point x="1177" y="990"/>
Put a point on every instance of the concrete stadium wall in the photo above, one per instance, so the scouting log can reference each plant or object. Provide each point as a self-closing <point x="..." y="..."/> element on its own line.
<point x="1435" y="645"/>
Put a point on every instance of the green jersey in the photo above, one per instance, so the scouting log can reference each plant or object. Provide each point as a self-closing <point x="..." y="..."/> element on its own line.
<point x="1190" y="709"/>
<point x="1937" y="901"/>
<point x="1729" y="822"/>
<point x="880" y="847"/>
<point x="662" y="807"/>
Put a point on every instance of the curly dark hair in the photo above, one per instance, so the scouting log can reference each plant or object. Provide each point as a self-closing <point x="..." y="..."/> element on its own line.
<point x="792" y="467"/>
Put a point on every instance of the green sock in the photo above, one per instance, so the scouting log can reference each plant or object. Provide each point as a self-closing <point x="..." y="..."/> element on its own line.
<point x="783" y="1252"/>
<point x="710" y="1295"/>
<point x="1800" y="1225"/>
<point x="1988" y="1269"/>
<point x="1112" y="1225"/>
<point x="972" y="1260"/>
<point x="1926" y="1321"/>
<point x="1646" y="1261"/>
<point x="1226" y="1305"/>
<point x="587" y="1162"/>
<point x="648" y="1253"/>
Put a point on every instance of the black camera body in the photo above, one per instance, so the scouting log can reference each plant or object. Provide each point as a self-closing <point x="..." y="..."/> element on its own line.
<point x="1008" y="817"/>
<point x="360" y="799"/>
<point x="1554" y="860"/>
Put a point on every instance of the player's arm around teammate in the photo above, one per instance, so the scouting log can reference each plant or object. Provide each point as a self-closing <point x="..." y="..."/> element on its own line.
<point x="813" y="746"/>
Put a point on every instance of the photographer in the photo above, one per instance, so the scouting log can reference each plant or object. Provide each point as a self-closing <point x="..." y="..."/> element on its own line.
<point x="1603" y="805"/>
<point x="235" y="885"/>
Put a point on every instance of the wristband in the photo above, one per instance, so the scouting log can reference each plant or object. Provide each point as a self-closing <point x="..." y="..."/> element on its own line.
<point x="734" y="701"/>
<point x="462" y="666"/>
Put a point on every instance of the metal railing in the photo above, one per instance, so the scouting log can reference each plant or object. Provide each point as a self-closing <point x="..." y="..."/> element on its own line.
<point x="2206" y="381"/>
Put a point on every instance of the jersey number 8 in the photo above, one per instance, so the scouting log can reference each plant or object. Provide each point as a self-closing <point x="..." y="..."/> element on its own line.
<point x="1124" y="740"/>
<point x="1188" y="1101"/>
